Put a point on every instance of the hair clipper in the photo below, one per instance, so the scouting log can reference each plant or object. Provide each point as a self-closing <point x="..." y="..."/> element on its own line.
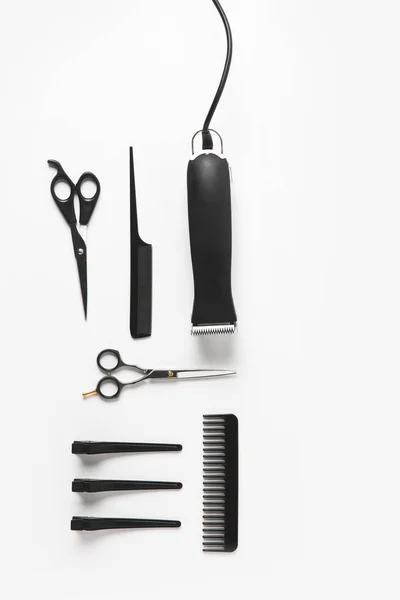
<point x="210" y="222"/>
<point x="210" y="228"/>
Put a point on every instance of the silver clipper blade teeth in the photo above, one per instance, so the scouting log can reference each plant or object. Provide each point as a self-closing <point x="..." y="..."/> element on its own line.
<point x="216" y="329"/>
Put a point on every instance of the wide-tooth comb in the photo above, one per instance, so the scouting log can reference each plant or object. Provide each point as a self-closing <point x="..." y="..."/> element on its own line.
<point x="220" y="483"/>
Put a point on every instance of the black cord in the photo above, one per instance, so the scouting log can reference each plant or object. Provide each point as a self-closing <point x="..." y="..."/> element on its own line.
<point x="206" y="135"/>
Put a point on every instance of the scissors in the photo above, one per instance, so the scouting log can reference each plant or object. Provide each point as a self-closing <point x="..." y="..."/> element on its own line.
<point x="66" y="207"/>
<point x="117" y="385"/>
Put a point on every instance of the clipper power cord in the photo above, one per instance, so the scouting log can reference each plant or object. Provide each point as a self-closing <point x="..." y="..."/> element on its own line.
<point x="210" y="228"/>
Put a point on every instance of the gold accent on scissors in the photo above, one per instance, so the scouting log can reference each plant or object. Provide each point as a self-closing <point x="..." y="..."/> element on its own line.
<point x="92" y="393"/>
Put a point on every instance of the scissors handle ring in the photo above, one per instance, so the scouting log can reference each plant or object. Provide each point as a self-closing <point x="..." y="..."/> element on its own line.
<point x="118" y="385"/>
<point x="87" y="205"/>
<point x="109" y="379"/>
<point x="65" y="205"/>
<point x="109" y="352"/>
<point x="119" y="363"/>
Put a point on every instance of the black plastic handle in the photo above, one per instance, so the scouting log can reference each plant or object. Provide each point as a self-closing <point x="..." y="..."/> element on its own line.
<point x="118" y="485"/>
<point x="115" y="385"/>
<point x="95" y="524"/>
<point x="66" y="206"/>
<point x="141" y="270"/>
<point x="87" y="205"/>
<point x="115" y="355"/>
<point x="89" y="447"/>
<point x="210" y="228"/>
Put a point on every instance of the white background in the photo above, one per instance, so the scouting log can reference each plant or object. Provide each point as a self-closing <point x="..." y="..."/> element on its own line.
<point x="311" y="125"/>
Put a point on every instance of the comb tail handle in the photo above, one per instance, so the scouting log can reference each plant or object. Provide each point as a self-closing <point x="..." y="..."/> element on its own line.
<point x="141" y="269"/>
<point x="210" y="228"/>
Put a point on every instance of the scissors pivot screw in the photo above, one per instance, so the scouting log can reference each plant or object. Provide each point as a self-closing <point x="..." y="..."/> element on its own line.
<point x="170" y="373"/>
<point x="81" y="251"/>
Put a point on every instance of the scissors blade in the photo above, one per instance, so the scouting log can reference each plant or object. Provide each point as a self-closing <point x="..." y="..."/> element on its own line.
<point x="191" y="374"/>
<point x="81" y="260"/>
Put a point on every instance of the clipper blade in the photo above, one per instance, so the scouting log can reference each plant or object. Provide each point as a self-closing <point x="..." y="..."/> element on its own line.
<point x="214" y="329"/>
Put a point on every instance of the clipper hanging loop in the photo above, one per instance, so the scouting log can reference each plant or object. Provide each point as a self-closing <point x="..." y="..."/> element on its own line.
<point x="216" y="133"/>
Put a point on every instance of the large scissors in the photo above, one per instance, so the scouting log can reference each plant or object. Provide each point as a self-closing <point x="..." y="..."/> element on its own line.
<point x="109" y="381"/>
<point x="66" y="207"/>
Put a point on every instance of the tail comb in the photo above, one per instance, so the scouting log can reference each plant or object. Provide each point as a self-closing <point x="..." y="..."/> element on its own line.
<point x="141" y="270"/>
<point x="220" y="483"/>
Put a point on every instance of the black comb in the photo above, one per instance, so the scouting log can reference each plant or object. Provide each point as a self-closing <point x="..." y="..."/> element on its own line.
<point x="220" y="483"/>
<point x="141" y="270"/>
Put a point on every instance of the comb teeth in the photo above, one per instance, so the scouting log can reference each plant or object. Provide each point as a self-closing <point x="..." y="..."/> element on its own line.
<point x="220" y="483"/>
<point x="216" y="329"/>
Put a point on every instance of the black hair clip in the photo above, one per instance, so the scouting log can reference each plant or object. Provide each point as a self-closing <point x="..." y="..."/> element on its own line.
<point x="119" y="447"/>
<point x="118" y="485"/>
<point x="95" y="524"/>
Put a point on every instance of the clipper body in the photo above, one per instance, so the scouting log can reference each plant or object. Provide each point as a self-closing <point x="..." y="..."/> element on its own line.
<point x="210" y="228"/>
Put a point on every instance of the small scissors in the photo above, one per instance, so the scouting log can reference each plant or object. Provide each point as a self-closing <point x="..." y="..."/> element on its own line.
<point x="66" y="206"/>
<point x="146" y="374"/>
